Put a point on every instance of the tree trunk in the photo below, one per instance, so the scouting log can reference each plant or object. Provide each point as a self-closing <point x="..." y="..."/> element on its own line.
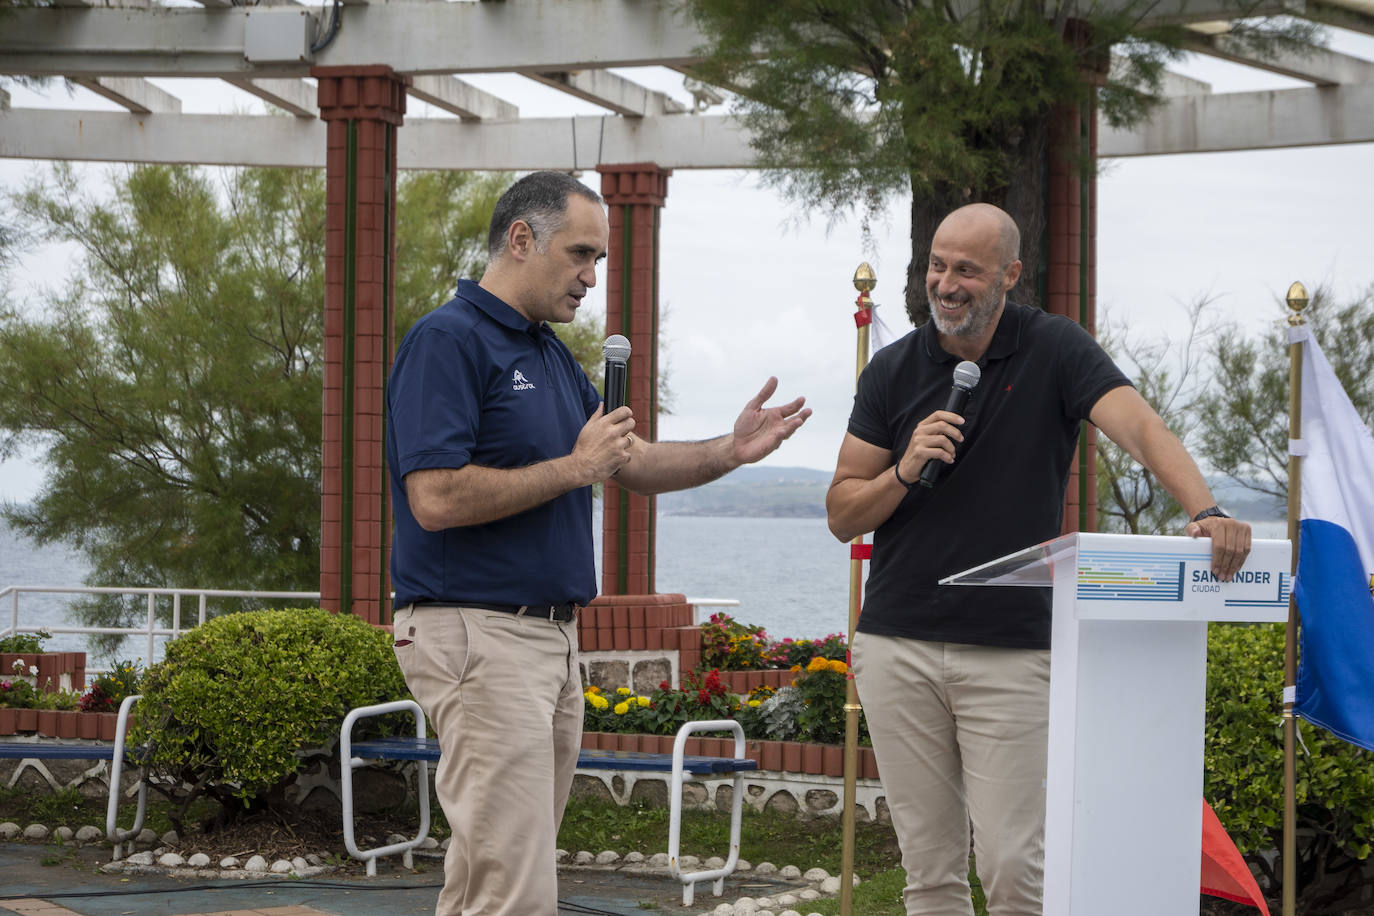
<point x="1023" y="196"/>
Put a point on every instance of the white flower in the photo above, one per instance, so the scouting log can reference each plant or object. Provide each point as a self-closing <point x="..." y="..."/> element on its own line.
<point x="33" y="670"/>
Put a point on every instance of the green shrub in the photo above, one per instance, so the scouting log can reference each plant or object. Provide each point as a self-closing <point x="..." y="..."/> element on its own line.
<point x="1244" y="771"/>
<point x="24" y="643"/>
<point x="236" y="699"/>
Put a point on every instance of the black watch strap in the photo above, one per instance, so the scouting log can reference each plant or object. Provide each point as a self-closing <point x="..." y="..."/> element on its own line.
<point x="1209" y="513"/>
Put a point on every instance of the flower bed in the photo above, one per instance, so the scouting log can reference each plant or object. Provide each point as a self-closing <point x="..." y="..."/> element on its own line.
<point x="45" y="693"/>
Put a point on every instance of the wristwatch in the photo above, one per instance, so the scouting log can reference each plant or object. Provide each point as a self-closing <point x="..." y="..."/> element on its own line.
<point x="1210" y="512"/>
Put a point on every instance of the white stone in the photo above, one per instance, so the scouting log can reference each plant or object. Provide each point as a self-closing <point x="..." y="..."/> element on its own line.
<point x="256" y="863"/>
<point x="397" y="838"/>
<point x="607" y="857"/>
<point x="816" y="874"/>
<point x="170" y="838"/>
<point x="634" y="858"/>
<point x="88" y="834"/>
<point x="159" y="851"/>
<point x="299" y="863"/>
<point x="745" y="906"/>
<point x="786" y="900"/>
<point x="146" y="835"/>
<point x="713" y="863"/>
<point x="140" y="858"/>
<point x="743" y="865"/>
<point x="765" y="868"/>
<point x="790" y="872"/>
<point x="170" y="860"/>
<point x="659" y="860"/>
<point x="583" y="858"/>
<point x="764" y="903"/>
<point x="789" y="913"/>
<point x="229" y="862"/>
<point x="315" y="859"/>
<point x="810" y="894"/>
<point x="199" y="860"/>
<point x="831" y="885"/>
<point x="428" y="842"/>
<point x="688" y="863"/>
<point x="724" y="909"/>
<point x="281" y="867"/>
<point x="445" y="844"/>
<point x="35" y="832"/>
<point x="9" y="830"/>
<point x="63" y="833"/>
<point x="560" y="856"/>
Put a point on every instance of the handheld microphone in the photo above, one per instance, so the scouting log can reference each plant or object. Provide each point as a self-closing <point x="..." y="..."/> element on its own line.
<point x="966" y="376"/>
<point x="616" y="350"/>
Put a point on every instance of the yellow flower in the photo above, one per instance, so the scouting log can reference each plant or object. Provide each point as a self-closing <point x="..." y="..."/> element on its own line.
<point x="600" y="702"/>
<point x="795" y="668"/>
<point x="623" y="691"/>
<point x="754" y="703"/>
<point x="839" y="667"/>
<point x="622" y="708"/>
<point x="643" y="702"/>
<point x="819" y="664"/>
<point x="593" y="690"/>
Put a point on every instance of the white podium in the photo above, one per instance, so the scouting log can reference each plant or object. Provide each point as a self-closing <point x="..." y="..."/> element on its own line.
<point x="1128" y="677"/>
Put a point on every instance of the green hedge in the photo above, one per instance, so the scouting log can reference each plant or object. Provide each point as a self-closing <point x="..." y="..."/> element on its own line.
<point x="1244" y="769"/>
<point x="236" y="699"/>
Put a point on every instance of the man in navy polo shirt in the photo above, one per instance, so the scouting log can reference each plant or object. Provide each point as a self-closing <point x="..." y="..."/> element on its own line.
<point x="955" y="681"/>
<point x="494" y="438"/>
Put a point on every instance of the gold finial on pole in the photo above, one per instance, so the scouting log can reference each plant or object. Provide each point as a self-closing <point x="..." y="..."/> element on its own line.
<point x="1297" y="301"/>
<point x="864" y="281"/>
<point x="1296" y="298"/>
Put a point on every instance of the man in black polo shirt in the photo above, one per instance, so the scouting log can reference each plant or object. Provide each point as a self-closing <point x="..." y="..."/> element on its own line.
<point x="494" y="438"/>
<point x="955" y="681"/>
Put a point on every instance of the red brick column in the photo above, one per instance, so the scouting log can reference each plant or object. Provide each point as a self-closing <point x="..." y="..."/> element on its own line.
<point x="1072" y="271"/>
<point x="363" y="106"/>
<point x="634" y="194"/>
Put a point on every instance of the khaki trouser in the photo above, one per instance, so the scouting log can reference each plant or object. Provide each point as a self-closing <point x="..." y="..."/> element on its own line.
<point x="504" y="695"/>
<point x="960" y="733"/>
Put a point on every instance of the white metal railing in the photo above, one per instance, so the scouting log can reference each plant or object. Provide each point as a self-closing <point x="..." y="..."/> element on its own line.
<point x="150" y="629"/>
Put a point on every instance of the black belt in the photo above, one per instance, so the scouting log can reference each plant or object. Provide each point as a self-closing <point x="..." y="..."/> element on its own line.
<point x="559" y="613"/>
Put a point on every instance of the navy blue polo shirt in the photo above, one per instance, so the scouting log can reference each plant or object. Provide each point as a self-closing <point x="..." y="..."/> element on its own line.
<point x="1042" y="374"/>
<point x="476" y="382"/>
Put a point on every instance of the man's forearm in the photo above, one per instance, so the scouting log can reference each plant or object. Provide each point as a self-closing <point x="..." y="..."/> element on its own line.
<point x="473" y="495"/>
<point x="660" y="467"/>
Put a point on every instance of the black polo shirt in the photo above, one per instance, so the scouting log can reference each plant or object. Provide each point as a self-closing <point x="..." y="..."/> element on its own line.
<point x="1041" y="376"/>
<point x="475" y="381"/>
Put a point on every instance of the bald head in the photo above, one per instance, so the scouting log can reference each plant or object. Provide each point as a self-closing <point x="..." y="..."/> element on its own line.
<point x="990" y="227"/>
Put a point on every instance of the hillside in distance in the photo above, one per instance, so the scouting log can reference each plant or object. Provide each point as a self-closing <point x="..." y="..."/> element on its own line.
<point x="756" y="492"/>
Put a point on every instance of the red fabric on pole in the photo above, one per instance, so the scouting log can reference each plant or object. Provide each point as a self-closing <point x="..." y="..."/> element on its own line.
<point x="860" y="551"/>
<point x="863" y="317"/>
<point x="1224" y="872"/>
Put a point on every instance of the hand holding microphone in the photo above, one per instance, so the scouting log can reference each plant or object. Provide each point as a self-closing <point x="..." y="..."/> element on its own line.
<point x="616" y="351"/>
<point x="966" y="376"/>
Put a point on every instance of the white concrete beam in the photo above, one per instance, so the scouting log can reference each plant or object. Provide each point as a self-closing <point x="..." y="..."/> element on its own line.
<point x="1315" y="65"/>
<point x="412" y="38"/>
<point x="610" y="91"/>
<point x="295" y="97"/>
<point x="1204" y="123"/>
<point x="137" y="95"/>
<point x="1172" y="84"/>
<point x="1249" y="120"/>
<point x="460" y="98"/>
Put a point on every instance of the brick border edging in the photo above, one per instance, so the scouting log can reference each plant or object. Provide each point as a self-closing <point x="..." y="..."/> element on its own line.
<point x="776" y="756"/>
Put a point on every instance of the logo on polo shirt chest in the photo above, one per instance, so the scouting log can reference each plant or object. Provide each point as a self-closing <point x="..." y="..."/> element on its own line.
<point x="519" y="382"/>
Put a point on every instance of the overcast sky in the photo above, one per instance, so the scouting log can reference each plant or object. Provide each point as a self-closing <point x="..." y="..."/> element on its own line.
<point x="750" y="289"/>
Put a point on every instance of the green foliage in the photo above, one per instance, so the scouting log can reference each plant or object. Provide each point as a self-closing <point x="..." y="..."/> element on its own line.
<point x="110" y="688"/>
<point x="234" y="700"/>
<point x="1244" y="424"/>
<point x="851" y="103"/>
<point x="25" y="643"/>
<point x="822" y="686"/>
<point x="17" y="694"/>
<point x="1244" y="771"/>
<point x="733" y="646"/>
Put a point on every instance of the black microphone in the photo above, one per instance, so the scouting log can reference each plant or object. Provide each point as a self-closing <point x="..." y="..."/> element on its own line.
<point x="966" y="376"/>
<point x="616" y="350"/>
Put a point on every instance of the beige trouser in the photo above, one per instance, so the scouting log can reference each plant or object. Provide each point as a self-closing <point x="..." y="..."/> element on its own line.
<point x="960" y="733"/>
<point x="504" y="696"/>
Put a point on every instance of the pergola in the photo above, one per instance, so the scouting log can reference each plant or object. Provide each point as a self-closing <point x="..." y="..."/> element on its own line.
<point x="340" y="75"/>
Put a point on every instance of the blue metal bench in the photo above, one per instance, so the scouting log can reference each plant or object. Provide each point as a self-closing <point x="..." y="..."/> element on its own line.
<point x="354" y="754"/>
<point x="117" y="753"/>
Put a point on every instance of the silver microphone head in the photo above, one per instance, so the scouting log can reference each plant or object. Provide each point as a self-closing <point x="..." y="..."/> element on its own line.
<point x="966" y="375"/>
<point x="617" y="349"/>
